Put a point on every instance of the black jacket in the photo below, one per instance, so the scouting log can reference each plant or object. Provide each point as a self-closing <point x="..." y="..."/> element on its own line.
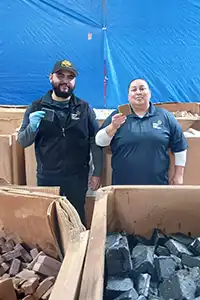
<point x="63" y="148"/>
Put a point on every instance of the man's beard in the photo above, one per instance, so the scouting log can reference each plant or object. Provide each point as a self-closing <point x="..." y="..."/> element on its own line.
<point x="62" y="94"/>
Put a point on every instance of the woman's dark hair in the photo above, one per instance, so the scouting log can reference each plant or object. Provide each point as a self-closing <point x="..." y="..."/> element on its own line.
<point x="136" y="79"/>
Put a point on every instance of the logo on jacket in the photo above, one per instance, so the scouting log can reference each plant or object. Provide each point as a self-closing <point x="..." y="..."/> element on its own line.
<point x="157" y="124"/>
<point x="75" y="115"/>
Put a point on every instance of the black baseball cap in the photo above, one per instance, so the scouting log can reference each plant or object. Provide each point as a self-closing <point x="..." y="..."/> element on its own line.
<point x="64" y="65"/>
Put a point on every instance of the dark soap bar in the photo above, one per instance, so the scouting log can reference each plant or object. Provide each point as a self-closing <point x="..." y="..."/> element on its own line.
<point x="158" y="238"/>
<point x="162" y="251"/>
<point x="143" y="259"/>
<point x="180" y="286"/>
<point x="116" y="286"/>
<point x="118" y="258"/>
<point x="143" y="284"/>
<point x="165" y="267"/>
<point x="177" y="248"/>
<point x="130" y="295"/>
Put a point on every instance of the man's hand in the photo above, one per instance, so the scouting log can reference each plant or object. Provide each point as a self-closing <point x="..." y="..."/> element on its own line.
<point x="94" y="183"/>
<point x="35" y="118"/>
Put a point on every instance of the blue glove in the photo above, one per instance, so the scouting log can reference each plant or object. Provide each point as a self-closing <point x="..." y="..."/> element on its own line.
<point x="35" y="118"/>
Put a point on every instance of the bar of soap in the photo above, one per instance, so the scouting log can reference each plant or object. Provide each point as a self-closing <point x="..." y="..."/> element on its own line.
<point x="118" y="258"/>
<point x="143" y="259"/>
<point x="165" y="267"/>
<point x="177" y="248"/>
<point x="180" y="286"/>
<point x="117" y="285"/>
<point x="130" y="295"/>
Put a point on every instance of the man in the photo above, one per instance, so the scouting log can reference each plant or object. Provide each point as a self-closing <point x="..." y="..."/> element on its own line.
<point x="63" y="128"/>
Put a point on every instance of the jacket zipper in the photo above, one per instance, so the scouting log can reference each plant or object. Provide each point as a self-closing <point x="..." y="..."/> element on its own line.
<point x="63" y="131"/>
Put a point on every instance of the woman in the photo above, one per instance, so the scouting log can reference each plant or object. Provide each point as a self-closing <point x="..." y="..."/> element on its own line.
<point x="140" y="141"/>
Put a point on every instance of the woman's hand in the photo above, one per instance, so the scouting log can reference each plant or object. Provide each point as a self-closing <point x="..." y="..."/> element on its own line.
<point x="177" y="179"/>
<point x="118" y="120"/>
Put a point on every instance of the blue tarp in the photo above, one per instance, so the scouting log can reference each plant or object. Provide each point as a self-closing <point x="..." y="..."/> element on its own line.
<point x="36" y="33"/>
<point x="155" y="40"/>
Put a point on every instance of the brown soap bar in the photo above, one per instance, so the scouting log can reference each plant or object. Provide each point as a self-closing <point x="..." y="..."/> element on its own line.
<point x="17" y="282"/>
<point x="5" y="276"/>
<point x="10" y="244"/>
<point x="125" y="109"/>
<point x="30" y="286"/>
<point x="50" y="262"/>
<point x="1" y="259"/>
<point x="29" y="297"/>
<point x="34" y="252"/>
<point x="43" y="288"/>
<point x="45" y="270"/>
<point x="2" y="271"/>
<point x="24" y="254"/>
<point x="15" y="266"/>
<point x="47" y="294"/>
<point x="27" y="274"/>
<point x="11" y="255"/>
<point x="24" y="265"/>
<point x="5" y="266"/>
<point x="31" y="264"/>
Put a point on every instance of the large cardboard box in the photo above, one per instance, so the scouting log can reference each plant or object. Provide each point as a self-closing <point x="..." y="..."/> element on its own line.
<point x="192" y="169"/>
<point x="32" y="215"/>
<point x="6" y="158"/>
<point x="10" y="118"/>
<point x="12" y="155"/>
<point x="11" y="159"/>
<point x="30" y="161"/>
<point x="136" y="210"/>
<point x="30" y="165"/>
<point x="192" y="107"/>
<point x="191" y="177"/>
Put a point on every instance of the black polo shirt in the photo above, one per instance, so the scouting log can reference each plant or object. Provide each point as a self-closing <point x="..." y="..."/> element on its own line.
<point x="140" y="147"/>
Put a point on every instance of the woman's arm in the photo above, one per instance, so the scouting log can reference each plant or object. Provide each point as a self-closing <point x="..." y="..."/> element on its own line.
<point x="104" y="136"/>
<point x="180" y="162"/>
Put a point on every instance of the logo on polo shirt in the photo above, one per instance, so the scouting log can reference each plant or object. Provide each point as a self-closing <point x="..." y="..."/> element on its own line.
<point x="157" y="124"/>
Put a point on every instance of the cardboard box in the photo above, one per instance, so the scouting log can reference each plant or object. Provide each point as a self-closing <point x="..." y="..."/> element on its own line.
<point x="18" y="161"/>
<point x="6" y="158"/>
<point x="192" y="107"/>
<point x="10" y="118"/>
<point x="12" y="163"/>
<point x="32" y="214"/>
<point x="12" y="154"/>
<point x="136" y="210"/>
<point x="24" y="213"/>
<point x="192" y="169"/>
<point x="30" y="165"/>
